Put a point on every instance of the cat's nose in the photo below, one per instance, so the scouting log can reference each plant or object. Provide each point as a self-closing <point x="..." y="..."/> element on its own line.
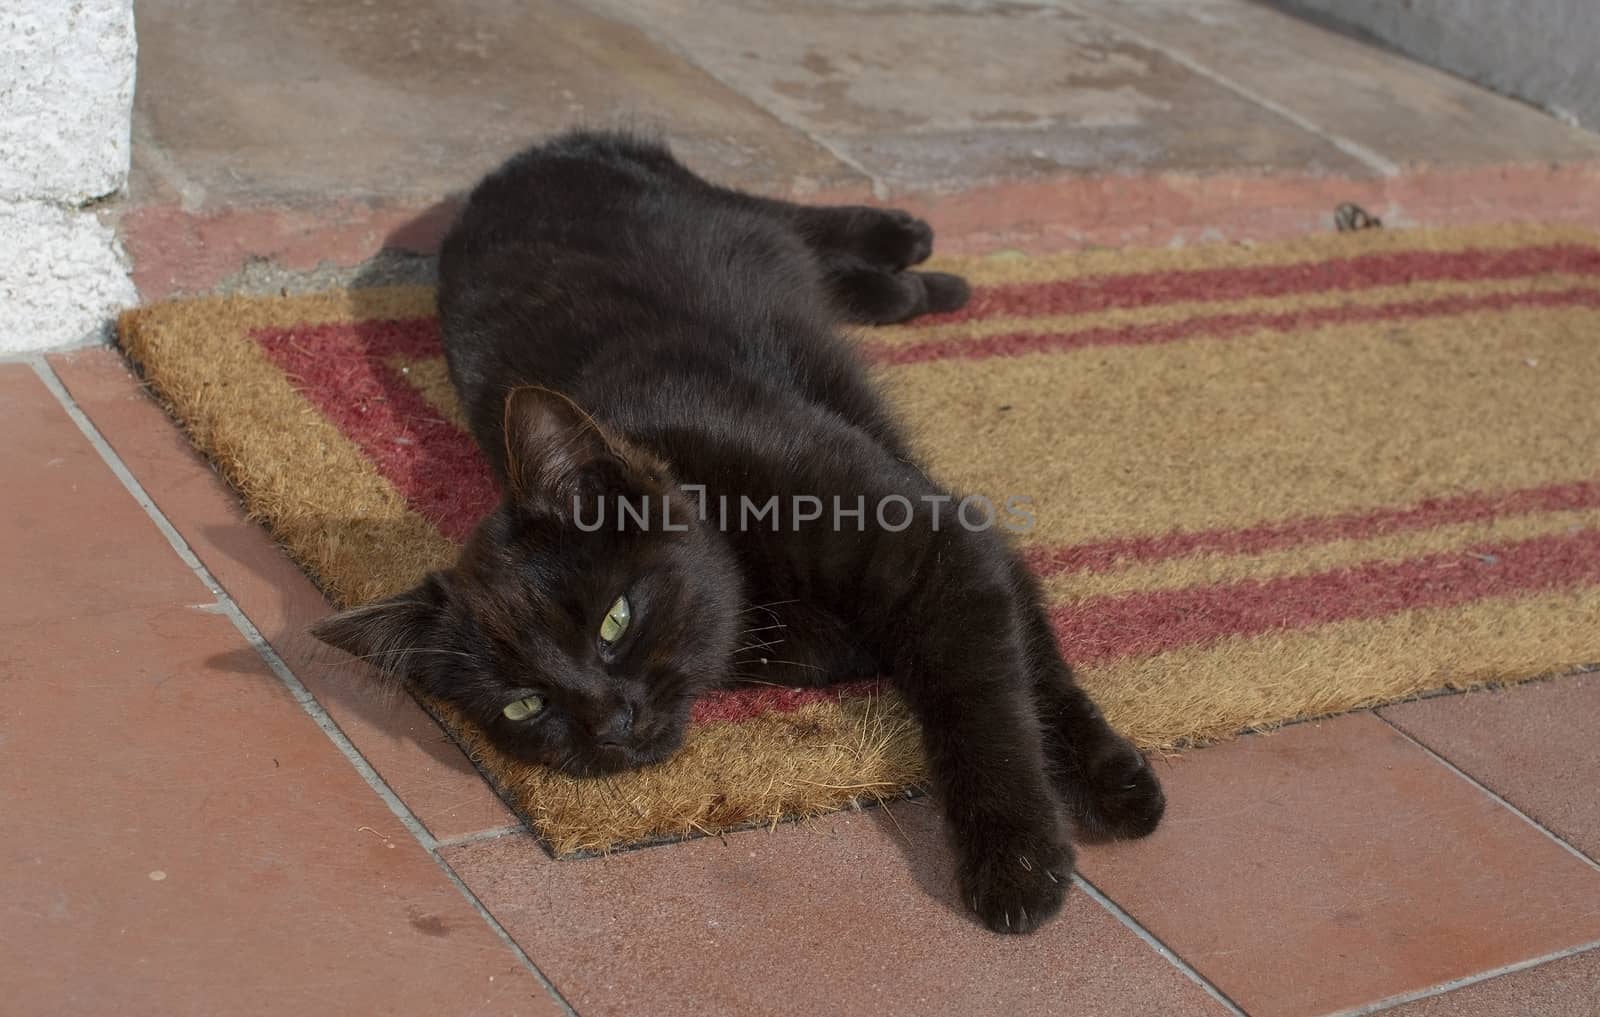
<point x="617" y="727"/>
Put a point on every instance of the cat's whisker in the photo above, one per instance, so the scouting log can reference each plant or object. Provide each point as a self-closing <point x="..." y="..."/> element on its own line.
<point x="768" y="645"/>
<point x="564" y="762"/>
<point x="770" y="614"/>
<point x="792" y="663"/>
<point x="770" y="604"/>
<point x="403" y="652"/>
<point x="768" y="608"/>
<point x="778" y="625"/>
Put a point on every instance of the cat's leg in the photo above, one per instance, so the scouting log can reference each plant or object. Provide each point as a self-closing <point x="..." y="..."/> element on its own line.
<point x="986" y="751"/>
<point x="937" y="604"/>
<point x="960" y="665"/>
<point x="870" y="295"/>
<point x="1109" y="787"/>
<point x="847" y="239"/>
<point x="886" y="239"/>
<point x="866" y="255"/>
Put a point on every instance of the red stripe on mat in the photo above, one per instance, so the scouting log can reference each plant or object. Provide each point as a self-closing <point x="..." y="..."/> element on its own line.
<point x="1138" y="624"/>
<point x="1220" y="326"/>
<point x="1100" y="556"/>
<point x="1144" y="289"/>
<point x="342" y="370"/>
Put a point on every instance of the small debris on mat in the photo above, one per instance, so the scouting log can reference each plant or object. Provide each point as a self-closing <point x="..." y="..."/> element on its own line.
<point x="1349" y="217"/>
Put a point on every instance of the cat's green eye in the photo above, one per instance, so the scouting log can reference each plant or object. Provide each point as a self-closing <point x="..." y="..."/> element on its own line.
<point x="522" y="709"/>
<point x="615" y="623"/>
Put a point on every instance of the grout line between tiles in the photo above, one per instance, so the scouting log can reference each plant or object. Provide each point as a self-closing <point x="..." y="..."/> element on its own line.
<point x="479" y="836"/>
<point x="1462" y="983"/>
<point x="1159" y="947"/>
<point x="1475" y="782"/>
<point x="275" y="663"/>
<point x="1374" y="161"/>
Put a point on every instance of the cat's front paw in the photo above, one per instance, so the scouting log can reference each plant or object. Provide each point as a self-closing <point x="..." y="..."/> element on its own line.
<point x="1017" y="883"/>
<point x="1121" y="798"/>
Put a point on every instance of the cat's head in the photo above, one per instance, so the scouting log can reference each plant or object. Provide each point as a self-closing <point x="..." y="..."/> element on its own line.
<point x="578" y="647"/>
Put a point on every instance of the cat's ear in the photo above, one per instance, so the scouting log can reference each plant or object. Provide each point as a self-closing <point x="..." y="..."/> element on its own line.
<point x="556" y="452"/>
<point x="386" y="632"/>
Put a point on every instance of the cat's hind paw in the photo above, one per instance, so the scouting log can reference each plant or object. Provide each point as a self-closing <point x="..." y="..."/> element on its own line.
<point x="946" y="292"/>
<point x="896" y="240"/>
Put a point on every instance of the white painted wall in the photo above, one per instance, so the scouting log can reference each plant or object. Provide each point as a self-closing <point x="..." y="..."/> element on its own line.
<point x="66" y="102"/>
<point x="1544" y="52"/>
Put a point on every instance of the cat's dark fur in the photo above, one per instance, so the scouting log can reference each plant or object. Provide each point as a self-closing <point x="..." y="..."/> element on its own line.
<point x="617" y="326"/>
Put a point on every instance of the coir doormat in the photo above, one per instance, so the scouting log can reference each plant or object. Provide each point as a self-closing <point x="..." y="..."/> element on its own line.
<point x="1267" y="483"/>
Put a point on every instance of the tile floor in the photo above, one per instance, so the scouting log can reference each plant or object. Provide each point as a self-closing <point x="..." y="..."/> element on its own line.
<point x="205" y="814"/>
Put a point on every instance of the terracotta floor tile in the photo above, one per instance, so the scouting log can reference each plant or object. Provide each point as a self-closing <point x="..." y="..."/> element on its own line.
<point x="414" y="757"/>
<point x="1336" y="864"/>
<point x="59" y="494"/>
<point x="182" y="839"/>
<point x="1569" y="987"/>
<point x="1534" y="745"/>
<point x="847" y="914"/>
<point x="927" y="105"/>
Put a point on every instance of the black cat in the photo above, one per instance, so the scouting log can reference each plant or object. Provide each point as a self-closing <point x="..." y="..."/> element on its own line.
<point x="649" y="360"/>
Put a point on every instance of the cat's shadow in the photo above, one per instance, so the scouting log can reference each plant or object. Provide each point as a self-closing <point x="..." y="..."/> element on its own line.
<point x="916" y="828"/>
<point x="366" y="710"/>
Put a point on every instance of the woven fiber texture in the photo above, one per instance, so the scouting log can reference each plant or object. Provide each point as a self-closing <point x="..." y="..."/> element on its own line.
<point x="1268" y="483"/>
